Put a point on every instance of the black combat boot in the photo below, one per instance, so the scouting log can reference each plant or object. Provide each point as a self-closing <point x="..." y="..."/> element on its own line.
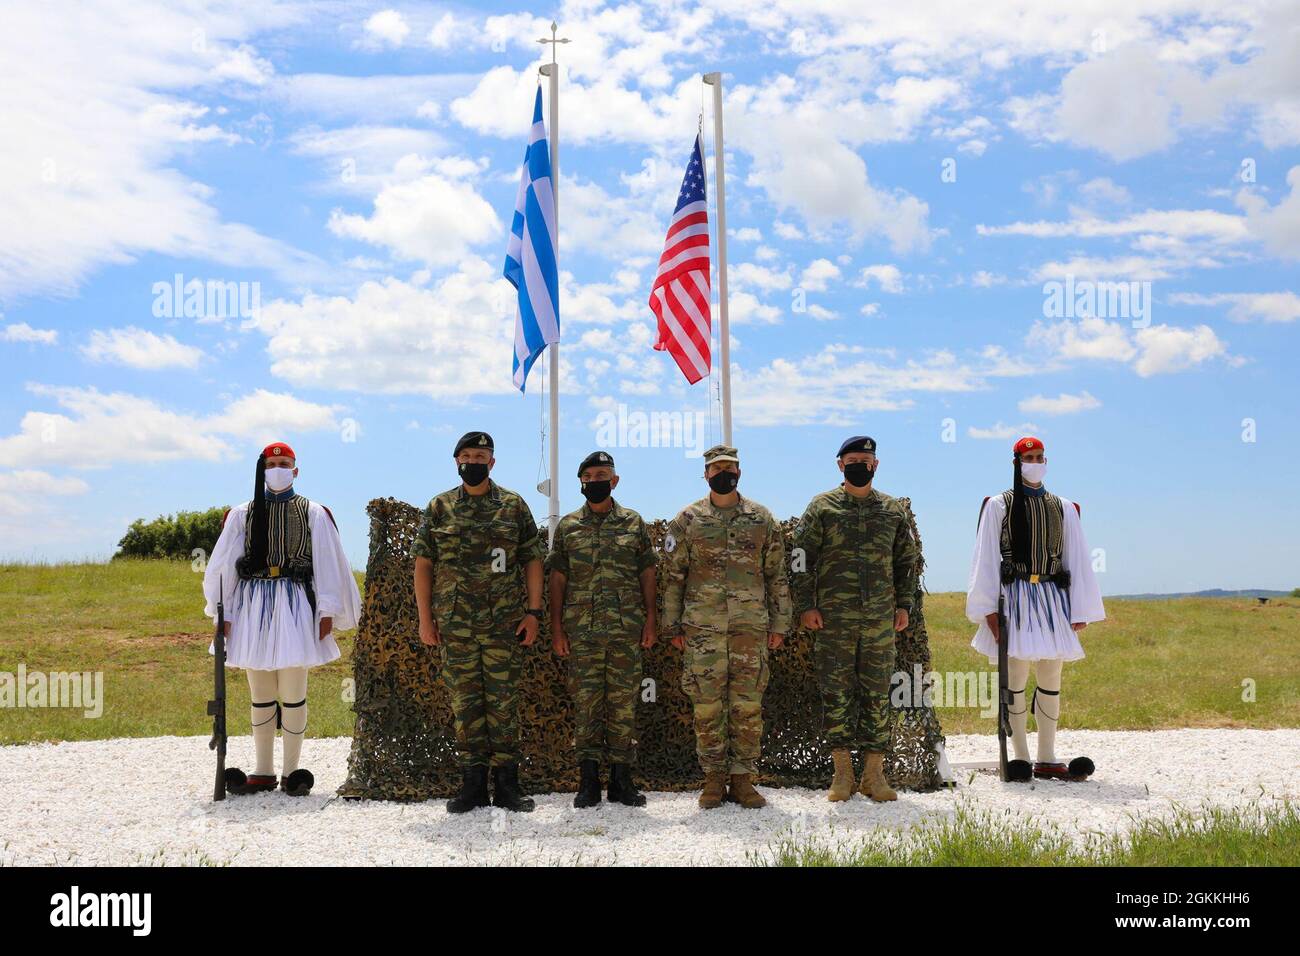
<point x="588" y="784"/>
<point x="505" y="790"/>
<point x="621" y="788"/>
<point x="473" y="790"/>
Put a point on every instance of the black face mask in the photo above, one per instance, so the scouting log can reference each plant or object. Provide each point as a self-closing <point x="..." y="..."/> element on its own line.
<point x="472" y="472"/>
<point x="859" y="474"/>
<point x="596" y="491"/>
<point x="724" y="482"/>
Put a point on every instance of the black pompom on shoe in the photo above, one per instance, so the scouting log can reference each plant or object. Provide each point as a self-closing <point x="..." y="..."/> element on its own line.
<point x="1018" y="771"/>
<point x="235" y="780"/>
<point x="298" y="783"/>
<point x="1081" y="768"/>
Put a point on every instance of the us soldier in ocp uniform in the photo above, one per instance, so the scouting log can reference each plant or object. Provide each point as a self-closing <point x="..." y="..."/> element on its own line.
<point x="602" y="581"/>
<point x="475" y="548"/>
<point x="853" y="569"/>
<point x="727" y="602"/>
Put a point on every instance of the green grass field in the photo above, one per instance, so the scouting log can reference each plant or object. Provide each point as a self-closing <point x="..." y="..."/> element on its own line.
<point x="1251" y="836"/>
<point x="1154" y="664"/>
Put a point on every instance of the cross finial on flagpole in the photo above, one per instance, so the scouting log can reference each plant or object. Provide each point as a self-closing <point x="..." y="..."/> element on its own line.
<point x="554" y="41"/>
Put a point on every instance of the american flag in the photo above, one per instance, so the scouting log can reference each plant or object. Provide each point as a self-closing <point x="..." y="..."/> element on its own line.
<point x="680" y="297"/>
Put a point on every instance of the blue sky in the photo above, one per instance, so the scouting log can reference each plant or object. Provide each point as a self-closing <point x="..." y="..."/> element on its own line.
<point x="903" y="194"/>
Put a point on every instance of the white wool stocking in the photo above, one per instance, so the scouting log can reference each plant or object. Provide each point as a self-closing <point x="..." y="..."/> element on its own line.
<point x="1017" y="677"/>
<point x="262" y="690"/>
<point x="293" y="721"/>
<point x="1047" y="707"/>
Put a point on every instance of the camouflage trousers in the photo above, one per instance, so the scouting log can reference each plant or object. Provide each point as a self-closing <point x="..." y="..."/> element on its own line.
<point x="482" y="673"/>
<point x="724" y="673"/>
<point x="854" y="663"/>
<point x="604" y="677"/>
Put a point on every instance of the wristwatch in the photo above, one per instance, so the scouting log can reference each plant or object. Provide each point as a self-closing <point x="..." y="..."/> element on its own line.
<point x="535" y="612"/>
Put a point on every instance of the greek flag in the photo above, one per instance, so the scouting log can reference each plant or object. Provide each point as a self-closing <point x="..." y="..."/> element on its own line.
<point x="531" y="255"/>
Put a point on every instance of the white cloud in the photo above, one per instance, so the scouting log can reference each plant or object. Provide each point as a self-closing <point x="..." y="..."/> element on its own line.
<point x="1107" y="191"/>
<point x="1166" y="348"/>
<point x="91" y="139"/>
<point x="140" y="348"/>
<point x="1278" y="227"/>
<point x="840" y="383"/>
<point x="1002" y="432"/>
<point x="887" y="278"/>
<point x="1154" y="350"/>
<point x="1089" y="338"/>
<point x="744" y="274"/>
<point x="434" y="219"/>
<point x="104" y="428"/>
<point x="1181" y="223"/>
<point x="22" y="497"/>
<point x="451" y="341"/>
<point x="1248" y="306"/>
<point x="385" y="28"/>
<point x="1063" y="404"/>
<point x="817" y="274"/>
<point x="22" y="332"/>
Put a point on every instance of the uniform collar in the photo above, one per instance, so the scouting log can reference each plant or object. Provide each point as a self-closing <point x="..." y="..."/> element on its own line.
<point x="1036" y="492"/>
<point x="589" y="515"/>
<point x="285" y="495"/>
<point x="853" y="501"/>
<point x="494" y="491"/>
<point x="742" y="506"/>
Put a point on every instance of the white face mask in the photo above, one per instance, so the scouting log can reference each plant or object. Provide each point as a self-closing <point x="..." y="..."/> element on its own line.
<point x="278" y="479"/>
<point x="1033" y="471"/>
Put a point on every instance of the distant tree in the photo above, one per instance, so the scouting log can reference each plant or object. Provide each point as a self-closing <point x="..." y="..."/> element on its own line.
<point x="172" y="536"/>
<point x="1295" y="593"/>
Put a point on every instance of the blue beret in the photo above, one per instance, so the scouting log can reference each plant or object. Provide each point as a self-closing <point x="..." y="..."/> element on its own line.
<point x="857" y="443"/>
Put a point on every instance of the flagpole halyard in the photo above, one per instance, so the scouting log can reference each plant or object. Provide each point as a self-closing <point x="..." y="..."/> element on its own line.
<point x="552" y="73"/>
<point x="720" y="189"/>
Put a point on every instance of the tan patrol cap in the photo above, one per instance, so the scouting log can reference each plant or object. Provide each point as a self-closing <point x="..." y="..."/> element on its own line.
<point x="720" y="453"/>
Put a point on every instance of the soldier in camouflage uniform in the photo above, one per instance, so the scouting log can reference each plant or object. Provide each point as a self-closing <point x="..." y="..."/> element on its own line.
<point x="853" y="574"/>
<point x="727" y="603"/>
<point x="602" y="583"/>
<point x="476" y="548"/>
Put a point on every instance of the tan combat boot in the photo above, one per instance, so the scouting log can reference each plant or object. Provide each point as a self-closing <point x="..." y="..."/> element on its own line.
<point x="743" y="792"/>
<point x="874" y="784"/>
<point x="842" y="784"/>
<point x="715" y="789"/>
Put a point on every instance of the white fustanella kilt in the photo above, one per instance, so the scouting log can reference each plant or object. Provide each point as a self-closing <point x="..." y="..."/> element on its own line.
<point x="1038" y="623"/>
<point x="272" y="626"/>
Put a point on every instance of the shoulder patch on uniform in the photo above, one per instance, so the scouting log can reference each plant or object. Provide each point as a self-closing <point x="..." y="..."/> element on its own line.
<point x="670" y="543"/>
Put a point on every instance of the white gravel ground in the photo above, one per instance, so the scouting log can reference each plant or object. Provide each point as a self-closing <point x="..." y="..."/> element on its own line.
<point x="80" y="803"/>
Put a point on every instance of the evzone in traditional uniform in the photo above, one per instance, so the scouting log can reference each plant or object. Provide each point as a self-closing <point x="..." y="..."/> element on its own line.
<point x="1030" y="549"/>
<point x="287" y="587"/>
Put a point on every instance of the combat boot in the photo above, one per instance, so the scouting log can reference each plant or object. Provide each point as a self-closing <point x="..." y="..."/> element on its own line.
<point x="473" y="790"/>
<point x="505" y="790"/>
<point x="715" y="790"/>
<point x="621" y="788"/>
<point x="874" y="784"/>
<point x="588" y="784"/>
<point x="842" y="783"/>
<point x="743" y="792"/>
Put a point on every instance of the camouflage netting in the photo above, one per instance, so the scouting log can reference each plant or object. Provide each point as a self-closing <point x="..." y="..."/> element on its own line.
<point x="404" y="747"/>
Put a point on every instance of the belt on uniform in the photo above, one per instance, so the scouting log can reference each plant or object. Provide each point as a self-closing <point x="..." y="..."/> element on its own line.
<point x="1061" y="578"/>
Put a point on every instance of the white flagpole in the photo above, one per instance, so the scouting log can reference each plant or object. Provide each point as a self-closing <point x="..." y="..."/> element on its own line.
<point x="715" y="80"/>
<point x="551" y="72"/>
